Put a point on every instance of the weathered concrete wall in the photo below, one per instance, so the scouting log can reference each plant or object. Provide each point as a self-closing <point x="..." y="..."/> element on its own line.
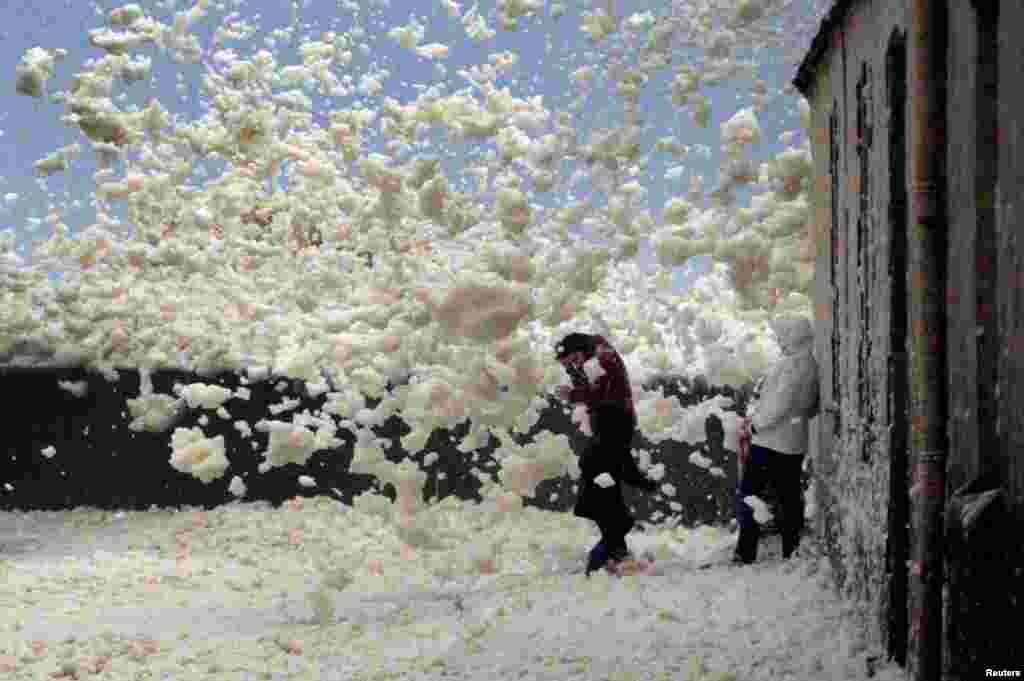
<point x="855" y="284"/>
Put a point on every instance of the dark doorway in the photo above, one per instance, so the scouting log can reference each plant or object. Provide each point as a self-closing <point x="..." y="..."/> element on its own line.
<point x="986" y="251"/>
<point x="897" y="543"/>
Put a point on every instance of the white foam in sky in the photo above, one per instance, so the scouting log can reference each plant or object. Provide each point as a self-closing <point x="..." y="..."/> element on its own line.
<point x="266" y="262"/>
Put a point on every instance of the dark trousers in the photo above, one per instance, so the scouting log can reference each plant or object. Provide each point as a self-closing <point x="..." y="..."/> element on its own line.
<point x="612" y="545"/>
<point x="783" y="470"/>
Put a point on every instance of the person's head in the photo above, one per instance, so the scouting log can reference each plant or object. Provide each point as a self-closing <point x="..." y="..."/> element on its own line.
<point x="574" y="349"/>
<point x="793" y="333"/>
<point x="610" y="423"/>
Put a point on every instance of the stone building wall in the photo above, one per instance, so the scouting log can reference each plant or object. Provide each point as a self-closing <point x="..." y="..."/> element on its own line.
<point x="859" y="90"/>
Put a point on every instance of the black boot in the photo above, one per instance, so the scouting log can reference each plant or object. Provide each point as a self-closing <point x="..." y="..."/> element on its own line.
<point x="746" y="546"/>
<point x="620" y="554"/>
<point x="790" y="541"/>
<point x="739" y="560"/>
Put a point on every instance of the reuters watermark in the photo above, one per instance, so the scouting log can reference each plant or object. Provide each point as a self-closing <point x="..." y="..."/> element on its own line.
<point x="1003" y="674"/>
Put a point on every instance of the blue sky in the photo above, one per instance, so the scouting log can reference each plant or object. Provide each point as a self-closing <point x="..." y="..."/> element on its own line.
<point x="549" y="50"/>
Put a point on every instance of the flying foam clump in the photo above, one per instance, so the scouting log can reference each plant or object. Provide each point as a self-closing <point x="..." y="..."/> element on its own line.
<point x="749" y="11"/>
<point x="154" y="413"/>
<point x="514" y="10"/>
<point x="197" y="455"/>
<point x="524" y="467"/>
<point x="408" y="36"/>
<point x="205" y="396"/>
<point x="293" y="443"/>
<point x="741" y="130"/>
<point x="126" y="15"/>
<point x="476" y="26"/>
<point x="58" y="161"/>
<point x="35" y="69"/>
<point x="639" y="22"/>
<point x="598" y="25"/>
<point x="793" y="170"/>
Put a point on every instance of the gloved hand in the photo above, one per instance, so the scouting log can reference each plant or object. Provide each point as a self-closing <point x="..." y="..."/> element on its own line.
<point x="578" y="376"/>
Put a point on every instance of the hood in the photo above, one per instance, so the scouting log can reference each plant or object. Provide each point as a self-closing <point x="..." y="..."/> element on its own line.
<point x="793" y="333"/>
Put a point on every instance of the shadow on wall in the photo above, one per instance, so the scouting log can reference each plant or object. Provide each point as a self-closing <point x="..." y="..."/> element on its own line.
<point x="100" y="462"/>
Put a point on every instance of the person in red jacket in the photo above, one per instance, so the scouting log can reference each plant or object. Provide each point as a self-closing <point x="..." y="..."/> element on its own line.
<point x="577" y="348"/>
<point x="611" y="413"/>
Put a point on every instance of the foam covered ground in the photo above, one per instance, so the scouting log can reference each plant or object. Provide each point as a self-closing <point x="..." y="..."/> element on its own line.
<point x="317" y="590"/>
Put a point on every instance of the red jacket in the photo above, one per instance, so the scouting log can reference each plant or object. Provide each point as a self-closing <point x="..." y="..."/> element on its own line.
<point x="613" y="385"/>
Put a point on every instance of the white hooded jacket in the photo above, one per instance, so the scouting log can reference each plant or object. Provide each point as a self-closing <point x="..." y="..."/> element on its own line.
<point x="789" y="394"/>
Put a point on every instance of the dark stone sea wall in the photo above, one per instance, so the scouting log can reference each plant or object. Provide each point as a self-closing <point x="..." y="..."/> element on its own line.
<point x="100" y="462"/>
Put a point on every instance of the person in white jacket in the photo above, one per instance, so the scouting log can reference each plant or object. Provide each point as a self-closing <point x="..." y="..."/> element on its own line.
<point x="773" y="438"/>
